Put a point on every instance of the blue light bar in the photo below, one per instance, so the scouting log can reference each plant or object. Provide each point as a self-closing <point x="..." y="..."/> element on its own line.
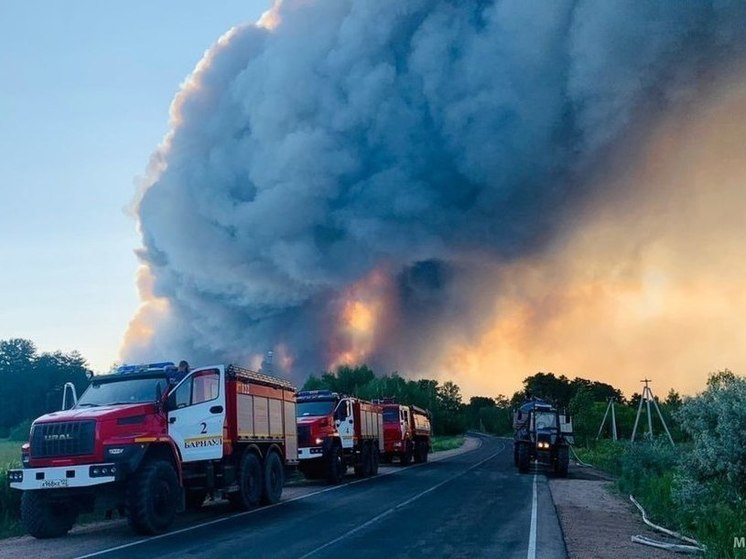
<point x="145" y="367"/>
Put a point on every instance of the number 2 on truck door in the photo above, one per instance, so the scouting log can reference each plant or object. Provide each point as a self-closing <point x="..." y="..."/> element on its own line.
<point x="196" y="414"/>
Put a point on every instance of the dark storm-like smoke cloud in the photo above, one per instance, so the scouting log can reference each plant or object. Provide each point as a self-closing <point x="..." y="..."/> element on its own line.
<point x="431" y="139"/>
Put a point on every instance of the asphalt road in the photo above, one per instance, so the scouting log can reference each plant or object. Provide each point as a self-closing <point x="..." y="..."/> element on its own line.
<point x="473" y="504"/>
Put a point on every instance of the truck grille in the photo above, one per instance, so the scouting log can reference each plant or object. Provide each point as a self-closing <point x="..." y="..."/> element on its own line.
<point x="69" y="438"/>
<point x="304" y="435"/>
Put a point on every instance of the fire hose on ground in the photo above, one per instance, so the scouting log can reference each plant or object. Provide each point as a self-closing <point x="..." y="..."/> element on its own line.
<point x="577" y="458"/>
<point x="692" y="546"/>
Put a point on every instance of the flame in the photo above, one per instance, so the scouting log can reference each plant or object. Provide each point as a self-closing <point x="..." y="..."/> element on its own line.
<point x="362" y="310"/>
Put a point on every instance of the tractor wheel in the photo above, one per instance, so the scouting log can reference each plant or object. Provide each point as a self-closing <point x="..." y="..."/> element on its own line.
<point x="563" y="461"/>
<point x="524" y="460"/>
<point x="44" y="518"/>
<point x="153" y="497"/>
<point x="249" y="483"/>
<point x="274" y="479"/>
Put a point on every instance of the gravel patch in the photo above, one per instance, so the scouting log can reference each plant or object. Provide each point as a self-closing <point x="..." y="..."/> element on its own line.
<point x="598" y="523"/>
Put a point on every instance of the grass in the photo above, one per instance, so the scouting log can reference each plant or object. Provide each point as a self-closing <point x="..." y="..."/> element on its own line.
<point x="10" y="454"/>
<point x="605" y="455"/>
<point x="10" y="457"/>
<point x="447" y="442"/>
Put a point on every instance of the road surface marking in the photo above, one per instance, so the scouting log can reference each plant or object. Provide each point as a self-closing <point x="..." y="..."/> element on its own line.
<point x="532" y="531"/>
<point x="397" y="507"/>
<point x="260" y="509"/>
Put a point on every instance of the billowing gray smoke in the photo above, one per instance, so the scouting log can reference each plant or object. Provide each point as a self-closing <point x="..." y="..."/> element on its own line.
<point x="423" y="142"/>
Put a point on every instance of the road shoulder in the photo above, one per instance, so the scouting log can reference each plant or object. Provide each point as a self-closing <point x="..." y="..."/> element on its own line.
<point x="598" y="522"/>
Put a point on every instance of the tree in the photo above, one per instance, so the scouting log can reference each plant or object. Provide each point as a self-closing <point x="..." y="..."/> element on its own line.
<point x="33" y="383"/>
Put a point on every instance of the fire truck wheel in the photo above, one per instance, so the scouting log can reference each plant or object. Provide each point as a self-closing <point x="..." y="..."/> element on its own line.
<point x="274" y="479"/>
<point x="363" y="468"/>
<point x="524" y="460"/>
<point x="335" y="466"/>
<point x="418" y="452"/>
<point x="406" y="456"/>
<point x="195" y="498"/>
<point x="249" y="483"/>
<point x="44" y="518"/>
<point x="375" y="460"/>
<point x="152" y="498"/>
<point x="313" y="471"/>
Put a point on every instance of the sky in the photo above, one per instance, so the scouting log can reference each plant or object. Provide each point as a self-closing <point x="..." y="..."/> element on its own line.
<point x="468" y="192"/>
<point x="84" y="100"/>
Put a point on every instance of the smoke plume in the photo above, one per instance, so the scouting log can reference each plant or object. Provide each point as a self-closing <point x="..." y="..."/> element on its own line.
<point x="430" y="186"/>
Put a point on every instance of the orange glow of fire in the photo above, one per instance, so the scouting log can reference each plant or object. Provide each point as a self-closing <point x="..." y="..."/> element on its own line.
<point x="362" y="308"/>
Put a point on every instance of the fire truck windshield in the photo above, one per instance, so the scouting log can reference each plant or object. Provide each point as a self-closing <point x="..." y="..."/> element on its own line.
<point x="323" y="407"/>
<point x="391" y="415"/>
<point x="123" y="391"/>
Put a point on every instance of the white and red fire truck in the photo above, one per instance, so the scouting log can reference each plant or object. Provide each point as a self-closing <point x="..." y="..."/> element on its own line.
<point x="407" y="432"/>
<point x="140" y="442"/>
<point x="336" y="432"/>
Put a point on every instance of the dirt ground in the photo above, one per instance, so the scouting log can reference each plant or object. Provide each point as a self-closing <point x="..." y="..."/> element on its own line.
<point x="597" y="522"/>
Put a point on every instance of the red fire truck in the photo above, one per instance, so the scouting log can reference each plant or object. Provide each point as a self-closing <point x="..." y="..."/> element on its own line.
<point x="406" y="432"/>
<point x="336" y="432"/>
<point x="140" y="442"/>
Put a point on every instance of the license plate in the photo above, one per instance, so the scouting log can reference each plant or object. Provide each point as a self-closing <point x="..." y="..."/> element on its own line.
<point x="52" y="483"/>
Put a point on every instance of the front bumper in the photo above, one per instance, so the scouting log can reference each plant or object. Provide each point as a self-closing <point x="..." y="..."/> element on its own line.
<point x="311" y="452"/>
<point x="63" y="477"/>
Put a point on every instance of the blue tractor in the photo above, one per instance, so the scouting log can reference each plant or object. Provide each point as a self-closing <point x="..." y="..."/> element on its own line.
<point x="542" y="435"/>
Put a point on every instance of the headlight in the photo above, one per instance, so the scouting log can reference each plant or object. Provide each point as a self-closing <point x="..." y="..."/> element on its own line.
<point x="15" y="476"/>
<point x="104" y="470"/>
<point x="319" y="440"/>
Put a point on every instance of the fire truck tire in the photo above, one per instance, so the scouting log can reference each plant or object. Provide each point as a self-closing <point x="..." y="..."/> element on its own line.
<point x="420" y="452"/>
<point x="274" y="479"/>
<point x="335" y="466"/>
<point x="563" y="461"/>
<point x="195" y="498"/>
<point x="152" y="498"/>
<point x="315" y="470"/>
<point x="375" y="460"/>
<point x="406" y="456"/>
<point x="44" y="518"/>
<point x="250" y="483"/>
<point x="364" y="467"/>
<point x="524" y="460"/>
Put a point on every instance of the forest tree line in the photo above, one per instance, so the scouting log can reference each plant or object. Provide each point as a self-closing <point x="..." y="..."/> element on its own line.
<point x="584" y="399"/>
<point x="33" y="382"/>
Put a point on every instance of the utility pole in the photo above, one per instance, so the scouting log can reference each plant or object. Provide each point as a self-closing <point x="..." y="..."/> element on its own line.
<point x="647" y="397"/>
<point x="609" y="406"/>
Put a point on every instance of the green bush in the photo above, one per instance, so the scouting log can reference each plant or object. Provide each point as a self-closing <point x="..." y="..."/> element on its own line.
<point x="647" y="473"/>
<point x="10" y="505"/>
<point x="710" y="488"/>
